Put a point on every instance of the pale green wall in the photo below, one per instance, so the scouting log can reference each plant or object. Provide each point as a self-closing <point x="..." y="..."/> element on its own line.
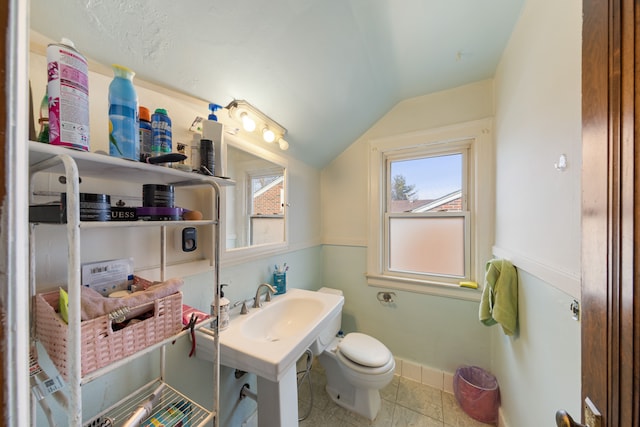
<point x="439" y="333"/>
<point x="538" y="108"/>
<point x="539" y="369"/>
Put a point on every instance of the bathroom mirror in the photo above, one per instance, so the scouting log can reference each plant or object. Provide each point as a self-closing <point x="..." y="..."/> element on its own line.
<point x="255" y="219"/>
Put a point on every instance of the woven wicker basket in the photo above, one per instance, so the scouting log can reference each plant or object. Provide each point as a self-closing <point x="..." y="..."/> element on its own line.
<point x="100" y="344"/>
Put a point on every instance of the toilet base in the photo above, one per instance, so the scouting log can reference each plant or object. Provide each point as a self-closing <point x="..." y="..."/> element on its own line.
<point x="362" y="401"/>
<point x="365" y="402"/>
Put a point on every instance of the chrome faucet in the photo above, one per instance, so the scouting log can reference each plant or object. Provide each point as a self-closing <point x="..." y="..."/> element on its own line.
<point x="244" y="309"/>
<point x="256" y="301"/>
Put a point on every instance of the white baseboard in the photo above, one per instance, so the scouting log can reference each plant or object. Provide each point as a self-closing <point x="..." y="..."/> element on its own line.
<point x="425" y="375"/>
<point x="501" y="420"/>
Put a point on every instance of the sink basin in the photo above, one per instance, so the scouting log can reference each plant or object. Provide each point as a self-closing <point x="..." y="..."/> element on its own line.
<point x="283" y="319"/>
<point x="269" y="340"/>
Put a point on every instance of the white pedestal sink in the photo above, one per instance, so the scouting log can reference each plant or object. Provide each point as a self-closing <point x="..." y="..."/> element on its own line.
<point x="268" y="341"/>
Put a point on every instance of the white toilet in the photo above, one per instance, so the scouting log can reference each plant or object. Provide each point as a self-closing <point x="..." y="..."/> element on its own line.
<point x="357" y="367"/>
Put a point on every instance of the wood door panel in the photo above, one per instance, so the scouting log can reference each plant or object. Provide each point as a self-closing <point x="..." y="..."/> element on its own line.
<point x="4" y="19"/>
<point x="610" y="303"/>
<point x="595" y="180"/>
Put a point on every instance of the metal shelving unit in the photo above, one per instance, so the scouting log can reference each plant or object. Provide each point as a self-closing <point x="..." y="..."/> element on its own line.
<point x="172" y="404"/>
<point x="70" y="163"/>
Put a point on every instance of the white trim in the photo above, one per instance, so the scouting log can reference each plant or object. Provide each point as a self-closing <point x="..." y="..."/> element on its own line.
<point x="564" y="281"/>
<point x="481" y="199"/>
<point x="440" y="380"/>
<point x="236" y="256"/>
<point x="15" y="213"/>
<point x="421" y="287"/>
<point x="250" y="147"/>
<point x="265" y="251"/>
<point x="341" y="241"/>
<point x="502" y="421"/>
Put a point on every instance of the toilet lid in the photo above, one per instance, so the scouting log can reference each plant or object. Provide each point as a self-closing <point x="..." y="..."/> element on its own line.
<point x="365" y="350"/>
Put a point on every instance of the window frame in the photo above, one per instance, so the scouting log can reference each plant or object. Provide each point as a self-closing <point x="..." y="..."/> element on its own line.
<point x="237" y="255"/>
<point x="460" y="147"/>
<point x="478" y="176"/>
<point x="251" y="175"/>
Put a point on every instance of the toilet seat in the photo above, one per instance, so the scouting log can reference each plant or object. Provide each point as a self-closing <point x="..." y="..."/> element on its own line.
<point x="364" y="352"/>
<point x="362" y="370"/>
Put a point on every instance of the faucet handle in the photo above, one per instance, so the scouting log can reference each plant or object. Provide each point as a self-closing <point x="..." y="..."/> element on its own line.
<point x="244" y="309"/>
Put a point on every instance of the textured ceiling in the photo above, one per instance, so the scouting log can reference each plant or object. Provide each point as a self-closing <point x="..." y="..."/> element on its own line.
<point x="325" y="69"/>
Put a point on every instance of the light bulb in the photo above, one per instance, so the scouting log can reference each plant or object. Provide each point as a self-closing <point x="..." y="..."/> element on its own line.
<point x="284" y="145"/>
<point x="247" y="122"/>
<point x="268" y="135"/>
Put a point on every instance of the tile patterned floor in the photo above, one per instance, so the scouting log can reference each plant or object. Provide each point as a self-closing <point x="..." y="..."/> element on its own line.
<point x="404" y="403"/>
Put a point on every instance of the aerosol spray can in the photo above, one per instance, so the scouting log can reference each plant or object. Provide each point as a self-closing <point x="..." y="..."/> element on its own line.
<point x="68" y="93"/>
<point x="160" y="133"/>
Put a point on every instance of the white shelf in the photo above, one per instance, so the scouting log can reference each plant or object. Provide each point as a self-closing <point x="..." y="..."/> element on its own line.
<point x="102" y="166"/>
<point x="124" y="224"/>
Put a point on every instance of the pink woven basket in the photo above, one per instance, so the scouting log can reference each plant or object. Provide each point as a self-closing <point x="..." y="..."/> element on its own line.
<point x="100" y="344"/>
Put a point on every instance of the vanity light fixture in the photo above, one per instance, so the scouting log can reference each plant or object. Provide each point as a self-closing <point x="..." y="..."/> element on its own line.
<point x="248" y="123"/>
<point x="284" y="145"/>
<point x="252" y="119"/>
<point x="268" y="135"/>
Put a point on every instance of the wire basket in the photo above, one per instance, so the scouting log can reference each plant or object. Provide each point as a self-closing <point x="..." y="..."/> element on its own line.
<point x="100" y="343"/>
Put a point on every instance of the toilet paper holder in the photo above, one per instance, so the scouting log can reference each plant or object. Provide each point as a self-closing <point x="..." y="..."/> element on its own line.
<point x="386" y="297"/>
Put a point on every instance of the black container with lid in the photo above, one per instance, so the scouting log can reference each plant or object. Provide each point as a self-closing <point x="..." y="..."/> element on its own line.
<point x="158" y="196"/>
<point x="93" y="207"/>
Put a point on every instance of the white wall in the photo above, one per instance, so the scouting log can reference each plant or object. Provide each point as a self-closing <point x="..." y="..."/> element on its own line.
<point x="439" y="333"/>
<point x="538" y="210"/>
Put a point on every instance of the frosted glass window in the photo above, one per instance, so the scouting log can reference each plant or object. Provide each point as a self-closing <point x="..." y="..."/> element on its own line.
<point x="427" y="245"/>
<point x="426" y="216"/>
<point x="430" y="209"/>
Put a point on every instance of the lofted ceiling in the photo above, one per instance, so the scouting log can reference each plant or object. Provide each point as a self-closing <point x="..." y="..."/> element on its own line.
<point x="326" y="70"/>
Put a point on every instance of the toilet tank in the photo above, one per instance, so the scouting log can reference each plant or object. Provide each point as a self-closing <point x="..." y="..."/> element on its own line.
<point x="333" y="326"/>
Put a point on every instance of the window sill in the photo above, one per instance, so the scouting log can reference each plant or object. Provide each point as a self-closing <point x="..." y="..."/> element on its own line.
<point x="237" y="256"/>
<point x="446" y="290"/>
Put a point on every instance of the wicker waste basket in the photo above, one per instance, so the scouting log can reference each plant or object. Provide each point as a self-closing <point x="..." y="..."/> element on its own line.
<point x="477" y="392"/>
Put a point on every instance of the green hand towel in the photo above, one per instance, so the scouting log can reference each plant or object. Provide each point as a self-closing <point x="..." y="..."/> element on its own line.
<point x="499" y="302"/>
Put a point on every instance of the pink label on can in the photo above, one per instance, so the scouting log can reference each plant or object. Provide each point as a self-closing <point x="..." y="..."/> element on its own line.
<point x="68" y="93"/>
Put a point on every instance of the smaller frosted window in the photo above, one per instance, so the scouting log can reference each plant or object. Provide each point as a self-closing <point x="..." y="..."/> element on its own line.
<point x="427" y="245"/>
